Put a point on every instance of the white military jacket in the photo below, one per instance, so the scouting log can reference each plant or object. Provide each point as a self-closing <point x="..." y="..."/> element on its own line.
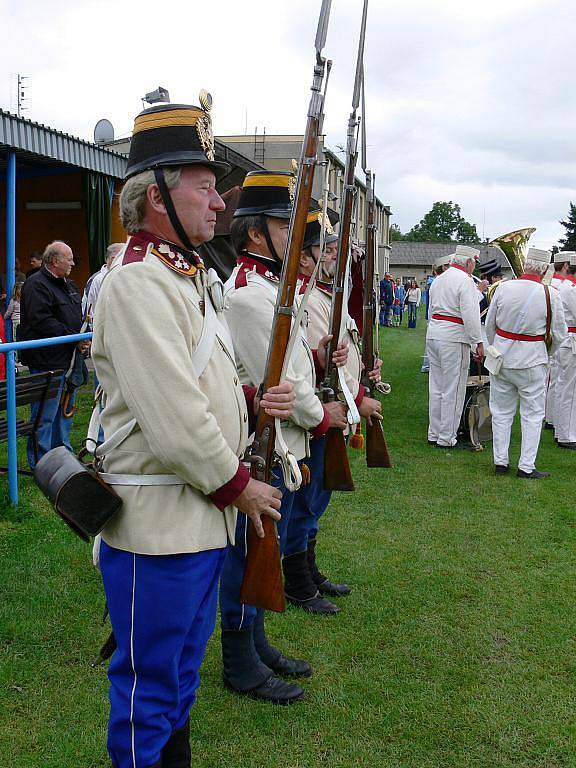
<point x="147" y="324"/>
<point x="250" y="295"/>
<point x="454" y="300"/>
<point x="519" y="307"/>
<point x="318" y="311"/>
<point x="567" y="292"/>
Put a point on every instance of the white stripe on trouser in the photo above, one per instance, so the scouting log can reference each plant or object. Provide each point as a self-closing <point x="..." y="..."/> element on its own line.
<point x="449" y="363"/>
<point x="565" y="398"/>
<point x="133" y="730"/>
<point x="551" y="390"/>
<point x="245" y="556"/>
<point x="528" y="384"/>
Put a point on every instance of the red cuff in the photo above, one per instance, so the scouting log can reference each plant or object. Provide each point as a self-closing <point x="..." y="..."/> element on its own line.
<point x="229" y="492"/>
<point x="317" y="367"/>
<point x="360" y="396"/>
<point x="322" y="428"/>
<point x="250" y="395"/>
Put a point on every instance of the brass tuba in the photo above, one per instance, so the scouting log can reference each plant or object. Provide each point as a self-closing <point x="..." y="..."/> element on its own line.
<point x="514" y="245"/>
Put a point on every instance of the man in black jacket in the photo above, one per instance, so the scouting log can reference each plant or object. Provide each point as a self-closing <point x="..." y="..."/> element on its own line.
<point x="51" y="306"/>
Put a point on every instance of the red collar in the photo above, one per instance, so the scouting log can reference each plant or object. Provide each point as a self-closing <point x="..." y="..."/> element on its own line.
<point x="560" y="276"/>
<point x="534" y="278"/>
<point x="571" y="279"/>
<point x="462" y="269"/>
<point x="320" y="284"/>
<point x="248" y="264"/>
<point x="174" y="256"/>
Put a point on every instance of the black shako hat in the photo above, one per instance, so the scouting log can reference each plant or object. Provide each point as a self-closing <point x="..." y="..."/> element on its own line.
<point x="314" y="224"/>
<point x="490" y="268"/>
<point x="267" y="193"/>
<point x="172" y="135"/>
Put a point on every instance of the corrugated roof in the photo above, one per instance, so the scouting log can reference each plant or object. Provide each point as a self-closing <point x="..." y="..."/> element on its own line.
<point x="36" y="142"/>
<point x="425" y="254"/>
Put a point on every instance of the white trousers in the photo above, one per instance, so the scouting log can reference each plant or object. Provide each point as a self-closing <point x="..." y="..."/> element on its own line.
<point x="449" y="364"/>
<point x="565" y="396"/>
<point x="551" y="390"/>
<point x="528" y="384"/>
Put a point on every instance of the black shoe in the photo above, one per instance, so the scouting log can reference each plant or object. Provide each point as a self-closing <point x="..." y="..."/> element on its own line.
<point x="547" y="425"/>
<point x="177" y="753"/>
<point x="567" y="446"/>
<point x="273" y="690"/>
<point x="534" y="475"/>
<point x="335" y="590"/>
<point x="300" y="588"/>
<point x="272" y="657"/>
<point x="243" y="667"/>
<point x="432" y="442"/>
<point x="325" y="586"/>
<point x="501" y="469"/>
<point x="458" y="446"/>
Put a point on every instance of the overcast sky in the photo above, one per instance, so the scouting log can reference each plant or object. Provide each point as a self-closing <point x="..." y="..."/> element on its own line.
<point x="466" y="101"/>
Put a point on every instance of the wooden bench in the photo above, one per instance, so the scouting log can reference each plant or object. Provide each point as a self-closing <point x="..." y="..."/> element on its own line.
<point x="36" y="388"/>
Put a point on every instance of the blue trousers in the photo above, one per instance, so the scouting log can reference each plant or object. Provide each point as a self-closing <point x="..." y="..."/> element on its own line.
<point x="163" y="612"/>
<point x="54" y="428"/>
<point x="412" y="314"/>
<point x="234" y="614"/>
<point x="310" y="502"/>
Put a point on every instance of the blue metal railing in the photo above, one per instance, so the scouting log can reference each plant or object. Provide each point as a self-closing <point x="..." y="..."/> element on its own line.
<point x="10" y="349"/>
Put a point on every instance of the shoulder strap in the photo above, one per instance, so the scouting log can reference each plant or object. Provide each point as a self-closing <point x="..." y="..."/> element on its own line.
<point x="548" y="336"/>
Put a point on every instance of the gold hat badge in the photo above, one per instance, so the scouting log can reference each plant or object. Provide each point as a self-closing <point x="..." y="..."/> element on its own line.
<point x="204" y="125"/>
<point x="293" y="181"/>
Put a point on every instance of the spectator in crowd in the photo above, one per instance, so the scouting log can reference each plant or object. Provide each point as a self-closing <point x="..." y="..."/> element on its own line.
<point x="2" y="357"/>
<point x="386" y="299"/>
<point x="413" y="298"/>
<point x="399" y="299"/>
<point x="13" y="311"/>
<point x="35" y="263"/>
<point x="51" y="306"/>
<point x="94" y="283"/>
<point x="19" y="277"/>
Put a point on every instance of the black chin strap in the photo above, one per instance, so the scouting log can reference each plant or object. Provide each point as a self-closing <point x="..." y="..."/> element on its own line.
<point x="170" y="210"/>
<point x="269" y="243"/>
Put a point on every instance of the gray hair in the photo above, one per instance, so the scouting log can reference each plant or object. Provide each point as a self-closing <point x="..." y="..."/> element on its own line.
<point x="240" y="228"/>
<point x="112" y="250"/>
<point x="133" y="196"/>
<point x="52" y="251"/>
<point x="460" y="259"/>
<point x="535" y="267"/>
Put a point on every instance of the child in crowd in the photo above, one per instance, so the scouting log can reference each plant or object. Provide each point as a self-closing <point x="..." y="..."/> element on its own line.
<point x="13" y="311"/>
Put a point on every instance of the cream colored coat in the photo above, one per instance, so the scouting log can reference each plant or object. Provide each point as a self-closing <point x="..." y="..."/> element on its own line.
<point x="250" y="314"/>
<point x="146" y="326"/>
<point x="318" y="311"/>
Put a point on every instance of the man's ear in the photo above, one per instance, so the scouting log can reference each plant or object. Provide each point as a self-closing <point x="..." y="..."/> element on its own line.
<point x="255" y="235"/>
<point x="155" y="199"/>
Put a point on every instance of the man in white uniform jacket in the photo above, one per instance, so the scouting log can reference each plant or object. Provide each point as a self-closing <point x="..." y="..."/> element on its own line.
<point x="516" y="327"/>
<point x="565" y="389"/>
<point x="453" y="329"/>
<point x="561" y="273"/>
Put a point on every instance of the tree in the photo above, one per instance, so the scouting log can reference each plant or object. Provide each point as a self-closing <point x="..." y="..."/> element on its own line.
<point x="443" y="224"/>
<point x="396" y="233"/>
<point x="568" y="243"/>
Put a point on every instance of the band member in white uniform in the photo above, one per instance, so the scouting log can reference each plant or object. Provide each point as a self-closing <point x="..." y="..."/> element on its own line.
<point x="453" y="329"/>
<point x="565" y="390"/>
<point x="516" y="328"/>
<point x="561" y="271"/>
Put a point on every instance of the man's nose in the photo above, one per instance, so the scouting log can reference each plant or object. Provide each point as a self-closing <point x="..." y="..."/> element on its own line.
<point x="216" y="203"/>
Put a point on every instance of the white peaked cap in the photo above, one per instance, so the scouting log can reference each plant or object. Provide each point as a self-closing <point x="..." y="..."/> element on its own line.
<point x="441" y="261"/>
<point x="466" y="250"/>
<point x="536" y="254"/>
<point x="562" y="256"/>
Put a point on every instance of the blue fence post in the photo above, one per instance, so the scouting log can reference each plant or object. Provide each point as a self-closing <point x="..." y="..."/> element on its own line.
<point x="10" y="356"/>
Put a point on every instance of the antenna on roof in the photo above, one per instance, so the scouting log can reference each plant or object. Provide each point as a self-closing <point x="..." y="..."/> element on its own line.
<point x="22" y="94"/>
<point x="103" y="132"/>
<point x="158" y="96"/>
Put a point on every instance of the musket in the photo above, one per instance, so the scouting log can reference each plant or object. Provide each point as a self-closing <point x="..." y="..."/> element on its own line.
<point x="337" y="474"/>
<point x="262" y="585"/>
<point x="377" y="454"/>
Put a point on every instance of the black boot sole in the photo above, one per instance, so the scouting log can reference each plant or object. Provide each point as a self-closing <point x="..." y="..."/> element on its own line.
<point x="309" y="607"/>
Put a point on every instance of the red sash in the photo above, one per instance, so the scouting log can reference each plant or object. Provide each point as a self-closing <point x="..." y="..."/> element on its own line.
<point x="449" y="318"/>
<point x="517" y="336"/>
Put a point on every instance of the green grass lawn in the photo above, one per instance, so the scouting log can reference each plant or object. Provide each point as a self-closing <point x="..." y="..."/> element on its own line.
<point x="456" y="648"/>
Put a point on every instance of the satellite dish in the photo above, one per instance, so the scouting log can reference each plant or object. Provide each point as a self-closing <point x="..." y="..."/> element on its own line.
<point x="103" y="132"/>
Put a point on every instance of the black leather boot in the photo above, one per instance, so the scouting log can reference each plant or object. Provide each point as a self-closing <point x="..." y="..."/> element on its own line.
<point x="273" y="657"/>
<point x="299" y="587"/>
<point x="245" y="672"/>
<point x="176" y="753"/>
<point x="325" y="586"/>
